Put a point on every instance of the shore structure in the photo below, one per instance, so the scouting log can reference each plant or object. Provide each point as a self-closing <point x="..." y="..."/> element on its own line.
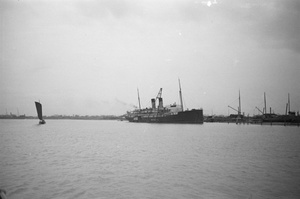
<point x="288" y="118"/>
<point x="268" y="118"/>
<point x="169" y="114"/>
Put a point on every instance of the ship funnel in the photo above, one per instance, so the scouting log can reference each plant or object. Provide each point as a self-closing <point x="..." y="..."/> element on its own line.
<point x="153" y="103"/>
<point x="160" y="103"/>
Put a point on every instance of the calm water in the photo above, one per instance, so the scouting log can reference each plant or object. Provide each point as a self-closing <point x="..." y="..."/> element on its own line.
<point x="113" y="159"/>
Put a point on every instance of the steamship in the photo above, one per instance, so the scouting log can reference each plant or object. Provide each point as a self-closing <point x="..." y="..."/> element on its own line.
<point x="169" y="114"/>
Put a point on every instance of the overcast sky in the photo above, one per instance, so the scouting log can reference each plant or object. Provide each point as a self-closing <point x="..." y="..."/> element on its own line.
<point x="89" y="57"/>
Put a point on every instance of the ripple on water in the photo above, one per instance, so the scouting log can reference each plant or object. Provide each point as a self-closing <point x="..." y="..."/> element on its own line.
<point x="110" y="159"/>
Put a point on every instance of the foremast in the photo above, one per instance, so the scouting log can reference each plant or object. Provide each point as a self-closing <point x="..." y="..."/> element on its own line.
<point x="139" y="99"/>
<point x="180" y="95"/>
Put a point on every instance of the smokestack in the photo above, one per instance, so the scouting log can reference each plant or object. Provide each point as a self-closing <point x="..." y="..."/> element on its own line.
<point x="160" y="103"/>
<point x="153" y="103"/>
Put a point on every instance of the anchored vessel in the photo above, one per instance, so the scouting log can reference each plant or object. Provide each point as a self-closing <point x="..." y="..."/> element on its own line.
<point x="290" y="117"/>
<point x="39" y="112"/>
<point x="239" y="117"/>
<point x="170" y="114"/>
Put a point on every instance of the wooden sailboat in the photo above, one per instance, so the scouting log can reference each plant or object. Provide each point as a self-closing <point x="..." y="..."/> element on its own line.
<point x="38" y="106"/>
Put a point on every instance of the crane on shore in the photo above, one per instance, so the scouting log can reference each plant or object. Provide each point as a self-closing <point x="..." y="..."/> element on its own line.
<point x="238" y="110"/>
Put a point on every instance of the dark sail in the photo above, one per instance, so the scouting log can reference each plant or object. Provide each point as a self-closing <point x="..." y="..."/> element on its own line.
<point x="39" y="110"/>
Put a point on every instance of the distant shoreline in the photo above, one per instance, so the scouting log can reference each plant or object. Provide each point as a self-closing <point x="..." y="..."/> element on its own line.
<point x="57" y="117"/>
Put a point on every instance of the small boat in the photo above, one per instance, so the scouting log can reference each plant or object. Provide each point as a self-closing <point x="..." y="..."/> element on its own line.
<point x="38" y="106"/>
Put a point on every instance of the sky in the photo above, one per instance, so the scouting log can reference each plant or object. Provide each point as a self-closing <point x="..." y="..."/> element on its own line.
<point x="90" y="57"/>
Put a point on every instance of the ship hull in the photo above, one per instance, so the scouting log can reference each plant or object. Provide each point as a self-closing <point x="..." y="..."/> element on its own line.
<point x="185" y="117"/>
<point x="42" y="122"/>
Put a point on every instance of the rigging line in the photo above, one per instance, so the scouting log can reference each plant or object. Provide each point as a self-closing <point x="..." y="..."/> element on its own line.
<point x="270" y="98"/>
<point x="246" y="104"/>
<point x="236" y="100"/>
<point x="275" y="104"/>
<point x="261" y="104"/>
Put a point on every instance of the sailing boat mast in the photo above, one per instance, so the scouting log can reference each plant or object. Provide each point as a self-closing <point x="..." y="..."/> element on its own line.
<point x="139" y="99"/>
<point x="180" y="95"/>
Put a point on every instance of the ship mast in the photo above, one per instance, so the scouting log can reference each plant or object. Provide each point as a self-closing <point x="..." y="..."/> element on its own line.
<point x="240" y="108"/>
<point x="180" y="95"/>
<point x="265" y="101"/>
<point x="289" y="103"/>
<point x="139" y="99"/>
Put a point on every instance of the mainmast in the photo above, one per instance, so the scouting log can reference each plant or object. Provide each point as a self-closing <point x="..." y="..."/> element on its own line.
<point x="139" y="99"/>
<point x="180" y="95"/>
<point x="265" y="101"/>
<point x="289" y="103"/>
<point x="240" y="108"/>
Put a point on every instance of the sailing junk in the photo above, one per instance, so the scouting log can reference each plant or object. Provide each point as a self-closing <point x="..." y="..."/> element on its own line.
<point x="170" y="114"/>
<point x="39" y="112"/>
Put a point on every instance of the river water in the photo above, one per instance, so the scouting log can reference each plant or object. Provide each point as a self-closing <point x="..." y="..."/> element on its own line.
<point x="118" y="159"/>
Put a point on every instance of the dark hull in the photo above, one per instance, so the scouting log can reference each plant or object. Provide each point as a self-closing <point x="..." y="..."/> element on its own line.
<point x="185" y="117"/>
<point x="42" y="122"/>
<point x="283" y="119"/>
